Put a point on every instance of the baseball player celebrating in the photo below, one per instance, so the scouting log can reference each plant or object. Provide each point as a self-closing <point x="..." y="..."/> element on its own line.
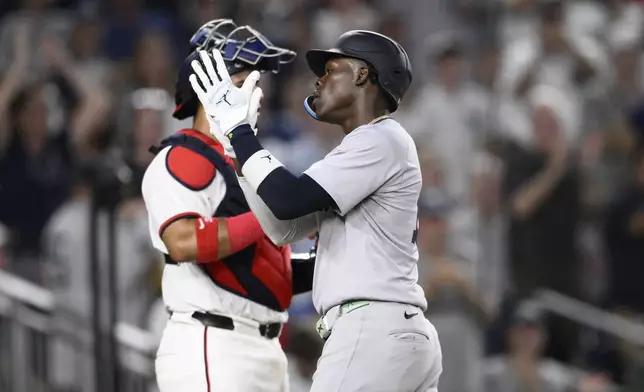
<point x="226" y="285"/>
<point x="362" y="198"/>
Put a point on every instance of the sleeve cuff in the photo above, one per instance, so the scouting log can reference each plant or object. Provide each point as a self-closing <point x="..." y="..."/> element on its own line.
<point x="244" y="142"/>
<point x="258" y="167"/>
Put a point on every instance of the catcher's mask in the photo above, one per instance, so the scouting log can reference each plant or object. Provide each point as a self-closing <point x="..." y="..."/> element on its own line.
<point x="242" y="47"/>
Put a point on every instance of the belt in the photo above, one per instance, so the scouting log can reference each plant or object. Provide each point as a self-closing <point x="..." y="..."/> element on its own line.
<point x="325" y="324"/>
<point x="269" y="331"/>
<point x="349" y="307"/>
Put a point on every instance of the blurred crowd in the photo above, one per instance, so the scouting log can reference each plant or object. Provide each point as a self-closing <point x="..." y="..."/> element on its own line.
<point x="528" y="116"/>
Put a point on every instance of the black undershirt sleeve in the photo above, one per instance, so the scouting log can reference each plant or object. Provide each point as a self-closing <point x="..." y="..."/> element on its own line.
<point x="288" y="196"/>
<point x="302" y="267"/>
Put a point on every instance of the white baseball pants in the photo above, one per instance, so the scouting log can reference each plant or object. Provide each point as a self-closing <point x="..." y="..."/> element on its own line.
<point x="195" y="358"/>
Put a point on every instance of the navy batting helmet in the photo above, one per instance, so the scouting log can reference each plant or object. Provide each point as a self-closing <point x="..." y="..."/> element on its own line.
<point x="386" y="57"/>
<point x="242" y="47"/>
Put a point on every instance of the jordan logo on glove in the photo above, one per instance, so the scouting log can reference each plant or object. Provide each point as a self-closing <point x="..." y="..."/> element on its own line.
<point x="213" y="86"/>
<point x="224" y="99"/>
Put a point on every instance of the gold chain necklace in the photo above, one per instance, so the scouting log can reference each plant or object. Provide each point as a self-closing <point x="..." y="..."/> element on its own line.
<point x="375" y="120"/>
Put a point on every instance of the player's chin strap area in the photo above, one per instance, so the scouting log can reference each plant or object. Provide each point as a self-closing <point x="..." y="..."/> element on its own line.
<point x="307" y="106"/>
<point x="311" y="112"/>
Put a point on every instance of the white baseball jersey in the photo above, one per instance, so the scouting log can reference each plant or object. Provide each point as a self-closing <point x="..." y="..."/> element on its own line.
<point x="186" y="286"/>
<point x="367" y="248"/>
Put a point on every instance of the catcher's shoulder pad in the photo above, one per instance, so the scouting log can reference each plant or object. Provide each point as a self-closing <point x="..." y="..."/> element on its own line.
<point x="189" y="168"/>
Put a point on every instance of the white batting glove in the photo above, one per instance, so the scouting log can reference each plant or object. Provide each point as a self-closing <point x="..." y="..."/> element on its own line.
<point x="216" y="132"/>
<point x="253" y="115"/>
<point x="226" y="106"/>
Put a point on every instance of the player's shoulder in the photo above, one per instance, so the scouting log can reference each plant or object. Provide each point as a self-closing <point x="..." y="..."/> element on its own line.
<point x="182" y="165"/>
<point x="380" y="133"/>
<point x="391" y="136"/>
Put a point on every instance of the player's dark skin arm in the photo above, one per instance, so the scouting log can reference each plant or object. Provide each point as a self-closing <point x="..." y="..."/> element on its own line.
<point x="180" y="237"/>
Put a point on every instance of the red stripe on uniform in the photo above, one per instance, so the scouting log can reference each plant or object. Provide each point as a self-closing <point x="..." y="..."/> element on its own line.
<point x="205" y="356"/>
<point x="172" y="219"/>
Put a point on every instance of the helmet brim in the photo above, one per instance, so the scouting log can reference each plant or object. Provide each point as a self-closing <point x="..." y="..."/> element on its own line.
<point x="317" y="58"/>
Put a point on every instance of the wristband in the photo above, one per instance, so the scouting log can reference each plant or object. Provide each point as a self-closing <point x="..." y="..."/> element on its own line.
<point x="243" y="231"/>
<point x="240" y="130"/>
<point x="207" y="230"/>
<point x="258" y="167"/>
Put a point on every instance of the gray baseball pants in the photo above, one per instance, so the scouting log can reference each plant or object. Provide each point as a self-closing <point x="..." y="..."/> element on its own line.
<point x="382" y="347"/>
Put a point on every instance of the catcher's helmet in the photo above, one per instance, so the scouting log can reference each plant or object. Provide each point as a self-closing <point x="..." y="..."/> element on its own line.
<point x="386" y="57"/>
<point x="242" y="47"/>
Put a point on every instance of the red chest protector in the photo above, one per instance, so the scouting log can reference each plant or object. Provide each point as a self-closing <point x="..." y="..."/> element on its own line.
<point x="260" y="272"/>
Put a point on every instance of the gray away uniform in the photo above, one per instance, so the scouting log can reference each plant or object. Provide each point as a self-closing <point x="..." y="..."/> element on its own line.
<point x="367" y="252"/>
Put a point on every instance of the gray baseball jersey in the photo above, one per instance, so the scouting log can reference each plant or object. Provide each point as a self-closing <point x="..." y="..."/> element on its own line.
<point x="367" y="247"/>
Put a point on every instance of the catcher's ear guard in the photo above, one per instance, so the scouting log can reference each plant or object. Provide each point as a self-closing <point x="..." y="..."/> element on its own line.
<point x="307" y="105"/>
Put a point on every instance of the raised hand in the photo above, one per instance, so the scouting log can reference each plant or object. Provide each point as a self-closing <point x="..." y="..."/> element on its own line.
<point x="226" y="105"/>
